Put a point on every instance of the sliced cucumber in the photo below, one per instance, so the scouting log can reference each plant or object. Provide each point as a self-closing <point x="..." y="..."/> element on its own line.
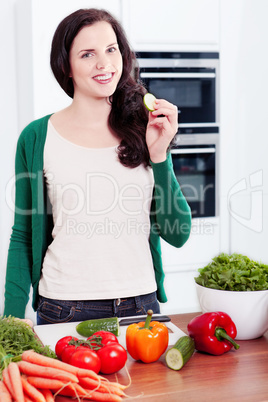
<point x="149" y="100"/>
<point x="180" y="353"/>
<point x="89" y="327"/>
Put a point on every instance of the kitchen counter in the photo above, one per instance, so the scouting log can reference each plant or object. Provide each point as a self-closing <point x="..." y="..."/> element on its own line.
<point x="240" y="375"/>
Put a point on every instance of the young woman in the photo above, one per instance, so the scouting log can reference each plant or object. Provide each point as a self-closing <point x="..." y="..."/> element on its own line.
<point x="95" y="187"/>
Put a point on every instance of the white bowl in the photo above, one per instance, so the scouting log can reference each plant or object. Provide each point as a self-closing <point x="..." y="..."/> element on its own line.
<point x="248" y="310"/>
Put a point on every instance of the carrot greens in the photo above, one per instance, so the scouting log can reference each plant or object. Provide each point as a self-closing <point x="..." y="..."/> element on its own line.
<point x="15" y="337"/>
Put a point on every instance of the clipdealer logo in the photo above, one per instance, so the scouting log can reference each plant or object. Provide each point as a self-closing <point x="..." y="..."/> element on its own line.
<point x="254" y="220"/>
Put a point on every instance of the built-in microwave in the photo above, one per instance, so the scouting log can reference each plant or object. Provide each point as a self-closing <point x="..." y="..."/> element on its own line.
<point x="188" y="80"/>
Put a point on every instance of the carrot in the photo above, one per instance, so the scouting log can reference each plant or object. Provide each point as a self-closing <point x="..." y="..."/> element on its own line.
<point x="32" y="369"/>
<point x="31" y="391"/>
<point x="117" y="384"/>
<point x="88" y="373"/>
<point x="66" y="392"/>
<point x="48" y="395"/>
<point x="91" y="384"/>
<point x="5" y="395"/>
<point x="33" y="357"/>
<point x="15" y="379"/>
<point x="7" y="382"/>
<point x="80" y="390"/>
<point x="105" y="387"/>
<point x="46" y="383"/>
<point x="27" y="399"/>
<point x="99" y="396"/>
<point x="75" y="390"/>
<point x="72" y="390"/>
<point x="111" y="389"/>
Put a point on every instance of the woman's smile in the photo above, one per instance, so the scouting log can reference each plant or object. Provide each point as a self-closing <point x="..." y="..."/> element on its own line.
<point x="104" y="78"/>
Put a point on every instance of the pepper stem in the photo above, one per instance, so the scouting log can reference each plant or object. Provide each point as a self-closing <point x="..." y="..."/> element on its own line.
<point x="221" y="334"/>
<point x="148" y="319"/>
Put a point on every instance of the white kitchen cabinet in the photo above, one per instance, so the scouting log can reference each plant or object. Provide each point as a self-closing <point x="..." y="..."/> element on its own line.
<point x="181" y="292"/>
<point x="249" y="224"/>
<point x="202" y="245"/>
<point x="181" y="265"/>
<point x="177" y="25"/>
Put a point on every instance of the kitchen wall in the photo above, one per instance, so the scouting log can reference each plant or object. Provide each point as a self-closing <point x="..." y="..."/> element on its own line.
<point x="237" y="29"/>
<point x="244" y="164"/>
<point x="8" y="124"/>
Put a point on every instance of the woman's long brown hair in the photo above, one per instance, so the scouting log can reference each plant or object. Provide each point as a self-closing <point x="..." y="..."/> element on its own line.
<point x="128" y="117"/>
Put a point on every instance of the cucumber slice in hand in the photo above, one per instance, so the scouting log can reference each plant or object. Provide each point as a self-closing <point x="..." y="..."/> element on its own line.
<point x="149" y="100"/>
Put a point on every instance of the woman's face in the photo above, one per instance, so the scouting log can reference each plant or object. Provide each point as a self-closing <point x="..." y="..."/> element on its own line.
<point x="95" y="61"/>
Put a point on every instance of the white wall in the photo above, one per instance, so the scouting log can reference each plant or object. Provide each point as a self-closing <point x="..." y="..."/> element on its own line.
<point x="8" y="124"/>
<point x="244" y="163"/>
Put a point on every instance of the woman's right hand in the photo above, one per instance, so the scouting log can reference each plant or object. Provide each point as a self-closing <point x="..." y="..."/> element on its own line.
<point x="161" y="128"/>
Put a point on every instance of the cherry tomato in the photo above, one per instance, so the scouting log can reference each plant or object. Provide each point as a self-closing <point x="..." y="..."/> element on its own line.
<point x="86" y="358"/>
<point x="113" y="358"/>
<point x="67" y="353"/>
<point x="106" y="337"/>
<point x="62" y="343"/>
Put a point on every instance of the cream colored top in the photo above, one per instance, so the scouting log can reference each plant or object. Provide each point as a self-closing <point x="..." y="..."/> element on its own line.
<point x="100" y="247"/>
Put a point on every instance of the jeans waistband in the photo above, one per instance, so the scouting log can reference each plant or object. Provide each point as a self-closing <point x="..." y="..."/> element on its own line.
<point x="136" y="301"/>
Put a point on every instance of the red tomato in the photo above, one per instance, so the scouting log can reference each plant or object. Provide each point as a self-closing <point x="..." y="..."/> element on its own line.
<point x="113" y="358"/>
<point x="86" y="358"/>
<point x="62" y="343"/>
<point x="67" y="353"/>
<point x="106" y="337"/>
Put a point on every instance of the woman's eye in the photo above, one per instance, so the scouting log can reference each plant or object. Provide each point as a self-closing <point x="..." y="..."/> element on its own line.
<point x="86" y="55"/>
<point x="111" y="49"/>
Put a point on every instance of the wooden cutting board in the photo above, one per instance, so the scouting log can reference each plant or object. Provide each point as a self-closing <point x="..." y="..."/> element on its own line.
<point x="51" y="333"/>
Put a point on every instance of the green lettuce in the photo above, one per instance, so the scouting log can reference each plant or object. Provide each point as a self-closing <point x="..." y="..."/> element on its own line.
<point x="233" y="272"/>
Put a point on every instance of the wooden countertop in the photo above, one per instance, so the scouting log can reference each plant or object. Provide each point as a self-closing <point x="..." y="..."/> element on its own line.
<point x="240" y="375"/>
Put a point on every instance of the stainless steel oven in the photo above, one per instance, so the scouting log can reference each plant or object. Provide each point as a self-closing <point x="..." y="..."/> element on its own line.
<point x="196" y="166"/>
<point x="191" y="82"/>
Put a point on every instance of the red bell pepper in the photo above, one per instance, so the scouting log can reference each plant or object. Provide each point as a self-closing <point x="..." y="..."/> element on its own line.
<point x="213" y="333"/>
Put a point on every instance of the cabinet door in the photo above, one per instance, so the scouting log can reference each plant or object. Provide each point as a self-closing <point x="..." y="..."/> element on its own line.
<point x="249" y="223"/>
<point x="172" y="24"/>
<point x="181" y="292"/>
<point x="202" y="245"/>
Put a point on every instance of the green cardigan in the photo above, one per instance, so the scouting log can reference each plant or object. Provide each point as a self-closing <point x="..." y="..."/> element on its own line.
<point x="31" y="232"/>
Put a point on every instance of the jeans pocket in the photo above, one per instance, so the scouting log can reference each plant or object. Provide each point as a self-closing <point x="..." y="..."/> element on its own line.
<point x="53" y="312"/>
<point x="150" y="303"/>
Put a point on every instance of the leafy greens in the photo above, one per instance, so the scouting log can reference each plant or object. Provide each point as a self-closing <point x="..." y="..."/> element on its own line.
<point x="234" y="272"/>
<point x="15" y="337"/>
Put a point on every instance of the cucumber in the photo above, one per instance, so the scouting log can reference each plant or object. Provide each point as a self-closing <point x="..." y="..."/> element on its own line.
<point x="89" y="327"/>
<point x="149" y="100"/>
<point x="180" y="353"/>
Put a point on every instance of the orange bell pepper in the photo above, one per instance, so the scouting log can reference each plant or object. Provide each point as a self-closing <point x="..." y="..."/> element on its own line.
<point x="147" y="341"/>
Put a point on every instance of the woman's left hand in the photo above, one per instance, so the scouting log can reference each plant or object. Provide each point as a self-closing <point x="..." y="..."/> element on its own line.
<point x="161" y="130"/>
<point x="27" y="321"/>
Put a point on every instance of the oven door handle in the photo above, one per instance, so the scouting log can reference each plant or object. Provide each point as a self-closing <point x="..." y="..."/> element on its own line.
<point x="193" y="150"/>
<point x="177" y="75"/>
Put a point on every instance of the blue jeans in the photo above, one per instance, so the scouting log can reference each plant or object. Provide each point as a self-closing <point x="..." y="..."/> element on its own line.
<point x="51" y="311"/>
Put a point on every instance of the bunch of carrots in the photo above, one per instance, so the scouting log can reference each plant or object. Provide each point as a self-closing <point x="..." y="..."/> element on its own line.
<point x="38" y="378"/>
